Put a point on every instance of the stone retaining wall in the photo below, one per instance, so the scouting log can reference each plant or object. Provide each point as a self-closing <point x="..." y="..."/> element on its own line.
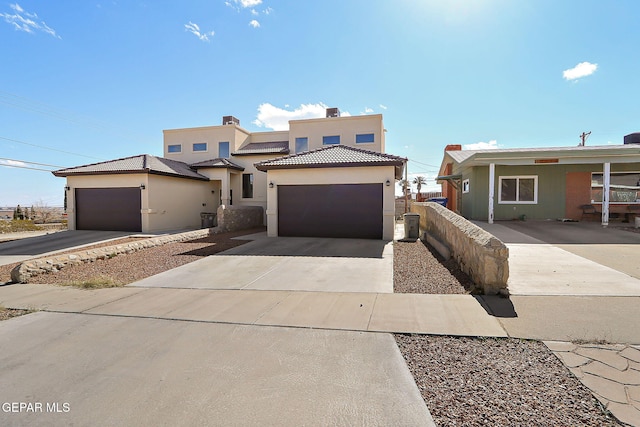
<point x="478" y="253"/>
<point x="30" y="268"/>
<point x="233" y="218"/>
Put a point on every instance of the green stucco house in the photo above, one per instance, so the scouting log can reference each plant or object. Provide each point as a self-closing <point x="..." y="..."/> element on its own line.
<point x="595" y="183"/>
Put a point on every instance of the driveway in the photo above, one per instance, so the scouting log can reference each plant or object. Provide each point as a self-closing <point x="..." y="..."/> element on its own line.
<point x="568" y="258"/>
<point x="291" y="264"/>
<point x="109" y="370"/>
<point x="31" y="247"/>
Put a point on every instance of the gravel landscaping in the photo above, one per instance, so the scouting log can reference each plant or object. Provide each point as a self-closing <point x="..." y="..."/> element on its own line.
<point x="498" y="382"/>
<point x="8" y="313"/>
<point x="485" y="381"/>
<point x="419" y="269"/>
<point x="125" y="269"/>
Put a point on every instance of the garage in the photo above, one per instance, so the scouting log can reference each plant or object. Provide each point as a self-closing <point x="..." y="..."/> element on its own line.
<point x="113" y="209"/>
<point x="332" y="210"/>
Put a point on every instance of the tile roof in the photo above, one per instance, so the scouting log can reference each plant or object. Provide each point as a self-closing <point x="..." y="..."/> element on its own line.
<point x="217" y="163"/>
<point x="143" y="163"/>
<point x="278" y="147"/>
<point x="332" y="156"/>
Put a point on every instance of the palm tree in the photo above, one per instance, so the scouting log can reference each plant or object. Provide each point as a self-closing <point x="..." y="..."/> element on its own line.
<point x="405" y="186"/>
<point x="419" y="180"/>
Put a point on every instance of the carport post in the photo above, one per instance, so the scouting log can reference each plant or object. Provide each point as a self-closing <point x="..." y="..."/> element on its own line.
<point x="492" y="178"/>
<point x="606" y="184"/>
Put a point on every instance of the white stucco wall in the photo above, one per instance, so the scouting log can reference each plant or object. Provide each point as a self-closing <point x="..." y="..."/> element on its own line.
<point x="176" y="203"/>
<point x="345" y="175"/>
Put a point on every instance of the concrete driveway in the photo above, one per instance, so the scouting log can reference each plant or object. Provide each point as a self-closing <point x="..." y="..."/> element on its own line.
<point x="107" y="370"/>
<point x="291" y="264"/>
<point x="31" y="247"/>
<point x="569" y="258"/>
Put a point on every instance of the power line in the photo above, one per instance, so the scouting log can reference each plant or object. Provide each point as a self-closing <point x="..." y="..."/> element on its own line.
<point x="25" y="167"/>
<point x="49" y="148"/>
<point x="423" y="164"/>
<point x="38" y="107"/>
<point x="32" y="163"/>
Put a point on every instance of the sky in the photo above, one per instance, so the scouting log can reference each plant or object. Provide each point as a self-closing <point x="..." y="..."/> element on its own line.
<point x="88" y="81"/>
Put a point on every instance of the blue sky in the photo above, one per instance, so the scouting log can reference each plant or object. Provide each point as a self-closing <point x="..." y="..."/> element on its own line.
<point x="85" y="81"/>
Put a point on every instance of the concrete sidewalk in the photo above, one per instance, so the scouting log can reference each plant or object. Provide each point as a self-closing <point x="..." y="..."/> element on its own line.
<point x="371" y="312"/>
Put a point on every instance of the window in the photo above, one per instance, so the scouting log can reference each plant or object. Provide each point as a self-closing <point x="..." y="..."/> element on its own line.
<point x="624" y="187"/>
<point x="200" y="146"/>
<point x="302" y="144"/>
<point x="175" y="148"/>
<point x="364" y="138"/>
<point x="247" y="185"/>
<point x="465" y="186"/>
<point x="223" y="149"/>
<point x="518" y="189"/>
<point x="329" y="140"/>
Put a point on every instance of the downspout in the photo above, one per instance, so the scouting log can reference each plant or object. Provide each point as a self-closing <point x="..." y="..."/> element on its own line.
<point x="606" y="185"/>
<point x="492" y="179"/>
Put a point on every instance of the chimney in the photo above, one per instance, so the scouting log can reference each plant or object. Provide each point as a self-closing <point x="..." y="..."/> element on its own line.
<point x="632" y="138"/>
<point x="333" y="112"/>
<point x="230" y="120"/>
<point x="453" y="147"/>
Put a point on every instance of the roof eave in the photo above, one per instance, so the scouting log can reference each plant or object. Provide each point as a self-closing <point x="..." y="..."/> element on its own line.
<point x="264" y="168"/>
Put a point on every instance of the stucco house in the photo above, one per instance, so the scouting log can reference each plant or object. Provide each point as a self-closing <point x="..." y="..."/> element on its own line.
<point x="595" y="183"/>
<point x="323" y="177"/>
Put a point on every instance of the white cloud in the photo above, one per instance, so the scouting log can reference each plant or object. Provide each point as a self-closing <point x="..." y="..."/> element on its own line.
<point x="583" y="69"/>
<point x="254" y="24"/>
<point x="267" y="11"/>
<point x="367" y="110"/>
<point x="13" y="163"/>
<point x="272" y="117"/>
<point x="27" y="22"/>
<point x="491" y="145"/>
<point x="254" y="12"/>
<point x="195" y="30"/>
<point x="384" y="107"/>
<point x="248" y="3"/>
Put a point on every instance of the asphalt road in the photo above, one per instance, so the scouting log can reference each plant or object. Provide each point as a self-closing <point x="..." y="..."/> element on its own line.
<point x="19" y="250"/>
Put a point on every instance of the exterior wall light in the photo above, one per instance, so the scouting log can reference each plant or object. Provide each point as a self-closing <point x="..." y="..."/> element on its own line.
<point x="271" y="184"/>
<point x="142" y="186"/>
<point x="387" y="183"/>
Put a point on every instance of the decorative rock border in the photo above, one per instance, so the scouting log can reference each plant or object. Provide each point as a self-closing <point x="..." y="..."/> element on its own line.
<point x="21" y="273"/>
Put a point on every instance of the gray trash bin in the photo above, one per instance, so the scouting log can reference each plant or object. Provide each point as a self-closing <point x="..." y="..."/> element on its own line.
<point x="411" y="225"/>
<point x="207" y="219"/>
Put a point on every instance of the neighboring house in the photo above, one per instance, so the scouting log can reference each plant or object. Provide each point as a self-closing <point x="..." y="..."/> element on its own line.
<point x="543" y="183"/>
<point x="322" y="177"/>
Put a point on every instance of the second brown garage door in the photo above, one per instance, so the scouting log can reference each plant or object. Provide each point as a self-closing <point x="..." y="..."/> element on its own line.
<point x="341" y="210"/>
<point x="114" y="209"/>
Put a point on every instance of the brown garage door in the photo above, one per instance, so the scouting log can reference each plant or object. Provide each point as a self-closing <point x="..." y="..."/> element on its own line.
<point x="344" y="210"/>
<point x="116" y="209"/>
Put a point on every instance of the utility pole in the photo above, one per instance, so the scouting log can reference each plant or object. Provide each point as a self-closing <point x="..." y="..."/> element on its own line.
<point x="406" y="184"/>
<point x="583" y="138"/>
